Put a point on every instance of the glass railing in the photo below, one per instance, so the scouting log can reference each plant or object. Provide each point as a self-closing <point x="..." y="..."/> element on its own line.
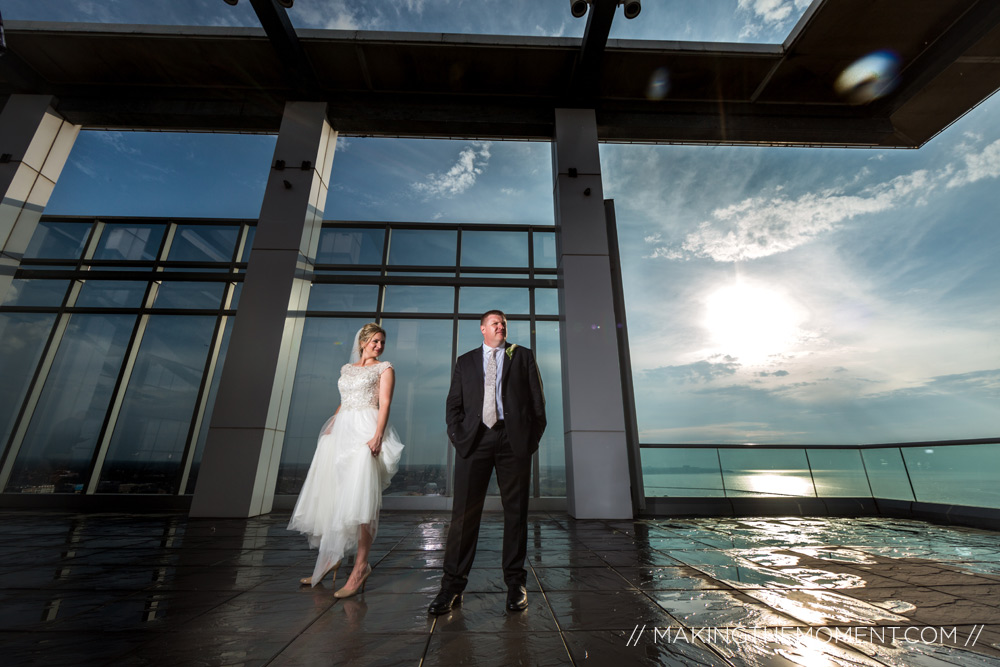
<point x="957" y="472"/>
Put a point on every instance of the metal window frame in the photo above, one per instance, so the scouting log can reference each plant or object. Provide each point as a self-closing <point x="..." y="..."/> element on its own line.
<point x="154" y="272"/>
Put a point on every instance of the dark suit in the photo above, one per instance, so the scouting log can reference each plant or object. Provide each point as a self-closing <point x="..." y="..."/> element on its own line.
<point x="507" y="447"/>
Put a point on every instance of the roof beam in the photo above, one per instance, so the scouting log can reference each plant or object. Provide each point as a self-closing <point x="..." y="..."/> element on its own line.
<point x="274" y="19"/>
<point x="587" y="73"/>
<point x="961" y="36"/>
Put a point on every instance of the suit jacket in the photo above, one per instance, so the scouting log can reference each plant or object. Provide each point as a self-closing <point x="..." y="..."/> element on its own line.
<point x="520" y="391"/>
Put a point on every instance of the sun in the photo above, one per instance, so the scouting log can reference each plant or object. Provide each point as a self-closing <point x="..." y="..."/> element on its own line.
<point x="751" y="322"/>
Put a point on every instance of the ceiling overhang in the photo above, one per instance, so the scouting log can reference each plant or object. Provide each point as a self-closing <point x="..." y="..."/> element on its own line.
<point x="498" y="87"/>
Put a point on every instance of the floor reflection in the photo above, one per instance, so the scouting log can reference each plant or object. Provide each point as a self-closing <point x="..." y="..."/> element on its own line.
<point x="164" y="589"/>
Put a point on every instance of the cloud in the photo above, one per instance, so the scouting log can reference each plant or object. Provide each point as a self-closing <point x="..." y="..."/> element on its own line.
<point x="116" y="140"/>
<point x="462" y="175"/>
<point x="760" y="226"/>
<point x="985" y="383"/>
<point x="548" y="32"/>
<point x="413" y="6"/>
<point x="769" y="11"/>
<point x="695" y="373"/>
<point x="345" y="15"/>
<point x="86" y="166"/>
<point x="335" y="15"/>
<point x="985" y="164"/>
<point x="769" y="14"/>
<point x="731" y="432"/>
<point x="767" y="225"/>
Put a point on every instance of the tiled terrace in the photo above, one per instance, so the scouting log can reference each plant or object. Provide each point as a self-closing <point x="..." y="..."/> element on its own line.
<point x="121" y="589"/>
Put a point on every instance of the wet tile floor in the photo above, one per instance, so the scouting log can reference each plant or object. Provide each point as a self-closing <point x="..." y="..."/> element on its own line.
<point x="122" y="589"/>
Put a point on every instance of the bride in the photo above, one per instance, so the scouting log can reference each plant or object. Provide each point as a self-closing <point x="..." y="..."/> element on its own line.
<point x="356" y="456"/>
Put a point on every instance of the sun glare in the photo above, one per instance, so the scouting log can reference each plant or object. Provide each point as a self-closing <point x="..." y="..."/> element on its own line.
<point x="751" y="323"/>
<point x="778" y="485"/>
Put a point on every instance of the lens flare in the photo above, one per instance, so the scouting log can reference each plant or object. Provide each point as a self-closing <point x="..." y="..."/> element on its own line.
<point x="869" y="78"/>
<point x="659" y="84"/>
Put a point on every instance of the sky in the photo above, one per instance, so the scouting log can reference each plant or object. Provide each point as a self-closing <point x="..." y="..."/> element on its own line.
<point x="766" y="21"/>
<point x="776" y="295"/>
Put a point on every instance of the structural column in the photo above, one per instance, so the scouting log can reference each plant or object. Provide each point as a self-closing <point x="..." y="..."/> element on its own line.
<point x="34" y="145"/>
<point x="597" y="473"/>
<point x="240" y="462"/>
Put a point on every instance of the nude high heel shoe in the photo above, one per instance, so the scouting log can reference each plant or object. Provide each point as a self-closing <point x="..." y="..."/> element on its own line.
<point x="346" y="592"/>
<point x="307" y="581"/>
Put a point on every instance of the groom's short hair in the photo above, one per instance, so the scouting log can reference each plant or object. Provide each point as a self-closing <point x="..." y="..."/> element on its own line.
<point x="482" y="320"/>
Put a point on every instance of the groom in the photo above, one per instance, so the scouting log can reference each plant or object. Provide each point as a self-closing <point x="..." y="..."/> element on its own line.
<point x="496" y="416"/>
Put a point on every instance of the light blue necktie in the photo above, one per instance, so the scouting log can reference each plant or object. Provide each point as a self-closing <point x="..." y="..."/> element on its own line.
<point x="490" y="391"/>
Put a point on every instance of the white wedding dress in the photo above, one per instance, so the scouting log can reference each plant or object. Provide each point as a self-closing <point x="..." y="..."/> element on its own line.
<point x="343" y="489"/>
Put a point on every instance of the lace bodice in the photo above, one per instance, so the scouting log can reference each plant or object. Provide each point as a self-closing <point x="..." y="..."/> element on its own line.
<point x="358" y="385"/>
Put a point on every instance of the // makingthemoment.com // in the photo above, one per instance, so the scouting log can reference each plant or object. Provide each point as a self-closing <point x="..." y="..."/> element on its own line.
<point x="891" y="634"/>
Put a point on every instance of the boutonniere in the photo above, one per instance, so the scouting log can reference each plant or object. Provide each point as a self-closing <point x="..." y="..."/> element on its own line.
<point x="510" y="350"/>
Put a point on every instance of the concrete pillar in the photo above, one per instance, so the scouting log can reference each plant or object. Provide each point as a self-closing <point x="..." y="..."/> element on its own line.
<point x="597" y="473"/>
<point x="240" y="463"/>
<point x="34" y="145"/>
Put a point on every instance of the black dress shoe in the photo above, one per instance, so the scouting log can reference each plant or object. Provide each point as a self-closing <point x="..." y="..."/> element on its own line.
<point x="444" y="602"/>
<point x="517" y="598"/>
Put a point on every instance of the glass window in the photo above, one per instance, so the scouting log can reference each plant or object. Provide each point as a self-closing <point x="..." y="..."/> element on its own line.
<point x="544" y="246"/>
<point x="248" y="244"/>
<point x="447" y="181"/>
<point x="204" y="243"/>
<point x="508" y="276"/>
<point x="511" y="300"/>
<point x="682" y="472"/>
<point x="347" y="272"/>
<point x="147" y="447"/>
<point x="419" y="299"/>
<point x="839" y="473"/>
<point x="507" y="249"/>
<point x="36" y="292"/>
<point x="324" y="348"/>
<point x="420" y="351"/>
<point x="24" y="336"/>
<point x="234" y="303"/>
<point x="955" y="475"/>
<point x="130" y="242"/>
<point x="887" y="473"/>
<point x="350" y="246"/>
<point x="336" y="296"/>
<point x="766" y="472"/>
<point x="471" y="336"/>
<point x="419" y="247"/>
<point x="173" y="268"/>
<point x="546" y="301"/>
<point x="54" y="267"/>
<point x="59" y="444"/>
<point x="552" y="448"/>
<point x="111" y="294"/>
<point x="182" y="294"/>
<point x="113" y="267"/>
<point x="58" y="240"/>
<point x="206" y="419"/>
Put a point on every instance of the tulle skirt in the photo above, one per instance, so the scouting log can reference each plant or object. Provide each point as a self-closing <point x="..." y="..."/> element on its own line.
<point x="343" y="489"/>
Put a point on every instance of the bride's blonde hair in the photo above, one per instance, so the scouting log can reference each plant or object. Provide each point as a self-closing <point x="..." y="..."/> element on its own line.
<point x="366" y="334"/>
